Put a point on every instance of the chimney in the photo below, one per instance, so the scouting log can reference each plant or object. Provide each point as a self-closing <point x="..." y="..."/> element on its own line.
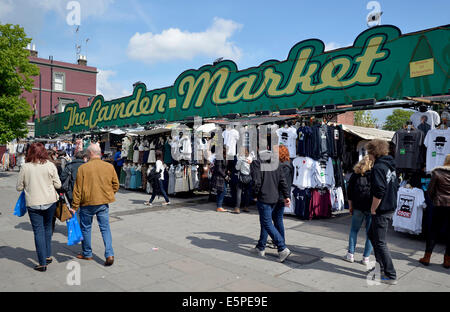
<point x="82" y="60"/>
<point x="32" y="49"/>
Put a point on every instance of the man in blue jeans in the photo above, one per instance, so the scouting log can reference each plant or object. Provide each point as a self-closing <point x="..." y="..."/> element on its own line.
<point x="94" y="189"/>
<point x="267" y="186"/>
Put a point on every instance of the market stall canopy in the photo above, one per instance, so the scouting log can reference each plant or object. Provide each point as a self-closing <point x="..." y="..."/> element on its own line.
<point x="156" y="130"/>
<point x="369" y="133"/>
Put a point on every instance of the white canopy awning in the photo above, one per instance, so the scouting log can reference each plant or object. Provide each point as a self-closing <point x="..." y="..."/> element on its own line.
<point x="369" y="133"/>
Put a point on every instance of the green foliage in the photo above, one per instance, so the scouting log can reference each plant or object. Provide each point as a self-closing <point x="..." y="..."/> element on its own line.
<point x="365" y="119"/>
<point x="15" y="77"/>
<point x="397" y="119"/>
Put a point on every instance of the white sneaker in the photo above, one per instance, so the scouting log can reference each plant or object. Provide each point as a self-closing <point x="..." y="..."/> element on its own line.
<point x="349" y="257"/>
<point x="284" y="254"/>
<point x="261" y="253"/>
<point x="365" y="261"/>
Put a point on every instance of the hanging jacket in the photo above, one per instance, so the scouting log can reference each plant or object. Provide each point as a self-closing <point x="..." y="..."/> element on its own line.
<point x="384" y="184"/>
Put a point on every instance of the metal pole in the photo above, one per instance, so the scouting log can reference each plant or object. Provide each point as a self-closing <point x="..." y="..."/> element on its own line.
<point x="40" y="95"/>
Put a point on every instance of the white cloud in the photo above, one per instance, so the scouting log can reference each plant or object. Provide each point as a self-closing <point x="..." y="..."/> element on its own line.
<point x="334" y="45"/>
<point x="110" y="90"/>
<point x="173" y="43"/>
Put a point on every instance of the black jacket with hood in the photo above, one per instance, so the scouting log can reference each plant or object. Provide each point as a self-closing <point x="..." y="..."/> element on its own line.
<point x="70" y="172"/>
<point x="384" y="184"/>
<point x="268" y="185"/>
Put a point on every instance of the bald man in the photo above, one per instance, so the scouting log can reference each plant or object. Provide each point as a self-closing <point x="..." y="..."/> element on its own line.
<point x="94" y="189"/>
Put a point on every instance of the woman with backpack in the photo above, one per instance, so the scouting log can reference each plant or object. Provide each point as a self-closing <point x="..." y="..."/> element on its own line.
<point x="244" y="181"/>
<point x="360" y="201"/>
<point x="157" y="180"/>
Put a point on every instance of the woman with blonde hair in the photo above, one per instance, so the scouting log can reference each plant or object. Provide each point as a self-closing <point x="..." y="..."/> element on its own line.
<point x="360" y="201"/>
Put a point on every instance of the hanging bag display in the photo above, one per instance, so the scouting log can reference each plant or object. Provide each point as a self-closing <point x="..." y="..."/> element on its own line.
<point x="74" y="235"/>
<point x="21" y="206"/>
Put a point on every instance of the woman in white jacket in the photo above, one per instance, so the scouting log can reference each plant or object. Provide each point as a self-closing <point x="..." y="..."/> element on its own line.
<point x="38" y="177"/>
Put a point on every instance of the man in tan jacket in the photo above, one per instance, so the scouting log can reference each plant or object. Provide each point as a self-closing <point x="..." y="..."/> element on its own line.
<point x="94" y="189"/>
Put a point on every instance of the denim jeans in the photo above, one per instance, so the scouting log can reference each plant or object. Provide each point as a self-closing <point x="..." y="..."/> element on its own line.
<point x="86" y="216"/>
<point x="41" y="221"/>
<point x="268" y="228"/>
<point x="357" y="220"/>
<point x="162" y="190"/>
<point x="220" y="196"/>
<point x="277" y="218"/>
<point x="378" y="235"/>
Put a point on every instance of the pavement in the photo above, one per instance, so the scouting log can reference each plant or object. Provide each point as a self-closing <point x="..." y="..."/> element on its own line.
<point x="189" y="247"/>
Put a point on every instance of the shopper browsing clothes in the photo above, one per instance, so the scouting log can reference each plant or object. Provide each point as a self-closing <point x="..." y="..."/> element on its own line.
<point x="268" y="182"/>
<point x="219" y="181"/>
<point x="360" y="202"/>
<point x="158" y="182"/>
<point x="439" y="192"/>
<point x="384" y="188"/>
<point x="95" y="186"/>
<point x="39" y="178"/>
<point x="244" y="180"/>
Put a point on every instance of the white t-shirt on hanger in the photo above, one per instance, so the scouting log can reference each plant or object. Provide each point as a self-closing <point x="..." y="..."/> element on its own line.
<point x="303" y="172"/>
<point x="437" y="142"/>
<point x="230" y="138"/>
<point x="433" y="118"/>
<point x="287" y="137"/>
<point x="409" y="212"/>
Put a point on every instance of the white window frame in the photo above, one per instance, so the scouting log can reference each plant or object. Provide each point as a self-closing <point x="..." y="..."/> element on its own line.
<point x="63" y="76"/>
<point x="62" y="103"/>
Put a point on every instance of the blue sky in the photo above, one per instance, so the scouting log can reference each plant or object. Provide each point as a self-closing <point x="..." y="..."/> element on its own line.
<point x="155" y="41"/>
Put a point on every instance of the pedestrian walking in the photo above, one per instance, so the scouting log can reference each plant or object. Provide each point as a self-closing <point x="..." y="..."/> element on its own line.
<point x="219" y="181"/>
<point x="39" y="178"/>
<point x="244" y="180"/>
<point x="95" y="186"/>
<point x="118" y="161"/>
<point x="267" y="187"/>
<point x="384" y="188"/>
<point x="69" y="174"/>
<point x="360" y="202"/>
<point x="439" y="192"/>
<point x="158" y="181"/>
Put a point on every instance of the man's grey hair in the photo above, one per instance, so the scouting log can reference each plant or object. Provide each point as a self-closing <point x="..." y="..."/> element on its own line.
<point x="94" y="149"/>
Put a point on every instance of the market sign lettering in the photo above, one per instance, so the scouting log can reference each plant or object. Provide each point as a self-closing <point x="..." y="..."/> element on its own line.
<point x="377" y="65"/>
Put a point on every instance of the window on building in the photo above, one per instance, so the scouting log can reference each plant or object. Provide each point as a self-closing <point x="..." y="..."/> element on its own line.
<point x="62" y="104"/>
<point x="58" y="81"/>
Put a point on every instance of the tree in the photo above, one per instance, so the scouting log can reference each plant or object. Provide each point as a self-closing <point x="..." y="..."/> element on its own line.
<point x="397" y="119"/>
<point x="15" y="76"/>
<point x="365" y="119"/>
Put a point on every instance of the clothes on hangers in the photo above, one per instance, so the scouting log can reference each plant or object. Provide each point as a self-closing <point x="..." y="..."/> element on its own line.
<point x="408" y="149"/>
<point x="409" y="213"/>
<point x="287" y="136"/>
<point x="437" y="142"/>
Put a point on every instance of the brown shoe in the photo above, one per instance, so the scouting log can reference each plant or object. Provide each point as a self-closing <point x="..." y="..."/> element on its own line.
<point x="446" y="263"/>
<point x="236" y="210"/>
<point x="80" y="256"/>
<point x="426" y="259"/>
<point x="109" y="261"/>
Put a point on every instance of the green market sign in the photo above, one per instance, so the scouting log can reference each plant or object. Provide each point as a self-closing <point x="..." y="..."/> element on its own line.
<point x="380" y="65"/>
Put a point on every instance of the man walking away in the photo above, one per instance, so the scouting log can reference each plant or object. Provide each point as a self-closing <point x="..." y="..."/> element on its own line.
<point x="267" y="186"/>
<point x="95" y="186"/>
<point x="384" y="188"/>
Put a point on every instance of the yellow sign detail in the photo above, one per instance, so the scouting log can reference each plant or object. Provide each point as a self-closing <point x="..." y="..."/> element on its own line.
<point x="421" y="68"/>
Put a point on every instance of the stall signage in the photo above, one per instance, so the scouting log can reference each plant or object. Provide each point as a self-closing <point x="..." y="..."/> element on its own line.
<point x="375" y="66"/>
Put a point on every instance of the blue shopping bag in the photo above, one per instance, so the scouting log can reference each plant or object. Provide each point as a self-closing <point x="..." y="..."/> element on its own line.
<point x="21" y="206"/>
<point x="73" y="231"/>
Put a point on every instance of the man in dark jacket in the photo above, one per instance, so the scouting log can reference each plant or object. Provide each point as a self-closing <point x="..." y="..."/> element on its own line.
<point x="69" y="174"/>
<point x="384" y="188"/>
<point x="267" y="185"/>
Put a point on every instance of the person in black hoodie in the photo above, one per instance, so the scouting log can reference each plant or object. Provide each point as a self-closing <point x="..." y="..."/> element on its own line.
<point x="269" y="181"/>
<point x="69" y="174"/>
<point x="384" y="188"/>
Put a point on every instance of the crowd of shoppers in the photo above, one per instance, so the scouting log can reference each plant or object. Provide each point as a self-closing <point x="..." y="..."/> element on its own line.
<point x="90" y="185"/>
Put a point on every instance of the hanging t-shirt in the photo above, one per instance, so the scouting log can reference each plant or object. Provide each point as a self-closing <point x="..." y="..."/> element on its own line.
<point x="303" y="172"/>
<point x="437" y="142"/>
<point x="230" y="138"/>
<point x="323" y="174"/>
<point x="287" y="137"/>
<point x="409" y="212"/>
<point x="301" y="201"/>
<point x="337" y="199"/>
<point x="408" y="149"/>
<point x="433" y="118"/>
<point x="320" y="205"/>
<point x="304" y="147"/>
<point x="361" y="148"/>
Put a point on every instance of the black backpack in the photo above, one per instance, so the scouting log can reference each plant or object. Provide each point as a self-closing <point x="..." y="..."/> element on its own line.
<point x="153" y="175"/>
<point x="362" y="195"/>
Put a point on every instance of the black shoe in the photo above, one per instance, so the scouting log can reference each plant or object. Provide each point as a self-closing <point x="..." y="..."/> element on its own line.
<point x="49" y="260"/>
<point x="41" y="268"/>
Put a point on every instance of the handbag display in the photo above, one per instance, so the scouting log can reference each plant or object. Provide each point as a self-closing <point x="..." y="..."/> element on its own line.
<point x="62" y="212"/>
<point x="21" y="206"/>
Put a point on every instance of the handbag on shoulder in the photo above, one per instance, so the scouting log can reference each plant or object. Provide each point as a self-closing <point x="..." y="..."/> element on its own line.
<point x="62" y="212"/>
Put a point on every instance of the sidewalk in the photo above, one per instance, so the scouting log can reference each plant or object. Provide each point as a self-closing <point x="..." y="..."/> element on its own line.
<point x="188" y="246"/>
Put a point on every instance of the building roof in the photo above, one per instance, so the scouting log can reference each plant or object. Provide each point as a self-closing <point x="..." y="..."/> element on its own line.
<point x="369" y="133"/>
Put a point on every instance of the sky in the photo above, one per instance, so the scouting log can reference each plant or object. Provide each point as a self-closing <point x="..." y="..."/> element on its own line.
<point x="155" y="41"/>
